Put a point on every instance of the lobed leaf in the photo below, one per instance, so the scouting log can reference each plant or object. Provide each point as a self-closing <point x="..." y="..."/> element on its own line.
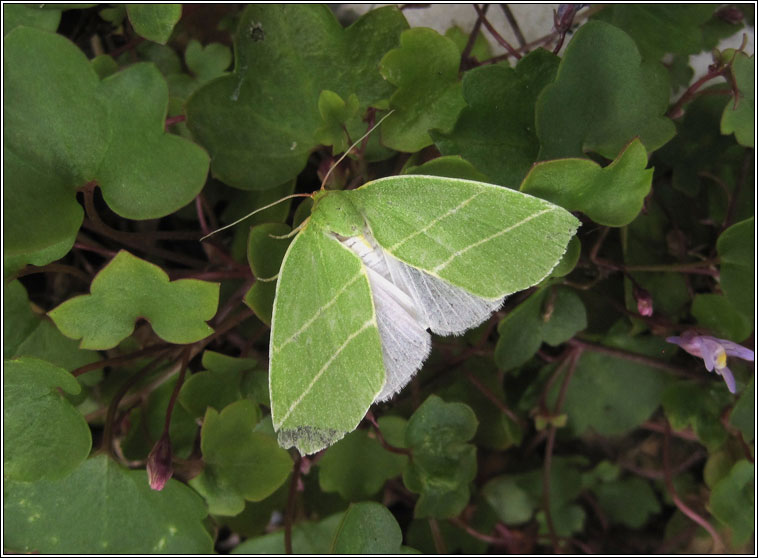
<point x="611" y="196"/>
<point x="130" y="516"/>
<point x="443" y="463"/>
<point x="64" y="128"/>
<point x="552" y="314"/>
<point x="240" y="464"/>
<point x="154" y="21"/>
<point x="367" y="528"/>
<point x="357" y="466"/>
<point x="45" y="436"/>
<point x="603" y="96"/>
<point x="425" y="70"/>
<point x="129" y="288"/>
<point x="739" y="113"/>
<point x="496" y="130"/>
<point x="259" y="123"/>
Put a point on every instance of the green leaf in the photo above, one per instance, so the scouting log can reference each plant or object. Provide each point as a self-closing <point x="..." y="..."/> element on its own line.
<point x="687" y="404"/>
<point x="30" y="16"/>
<point x="732" y="501"/>
<point x="451" y="166"/>
<point x="45" y="436"/>
<point x="259" y="123"/>
<point x="629" y="501"/>
<point x="307" y="538"/>
<point x="129" y="288"/>
<point x="513" y="504"/>
<point x="739" y="113"/>
<point x="611" y="395"/>
<point x="265" y="254"/>
<point x="358" y="466"/>
<point x="443" y="463"/>
<point x="552" y="314"/>
<point x="218" y="386"/>
<point x="611" y="196"/>
<point x="496" y="130"/>
<point x="481" y="50"/>
<point x="661" y="28"/>
<point x="425" y="70"/>
<point x="60" y="121"/>
<point x="154" y="21"/>
<point x="240" y="464"/>
<point x="367" y="528"/>
<point x="207" y="62"/>
<point x="569" y="259"/>
<point x="130" y="517"/>
<point x="736" y="249"/>
<point x="716" y="313"/>
<point x="603" y="97"/>
<point x="335" y="113"/>
<point x="743" y="413"/>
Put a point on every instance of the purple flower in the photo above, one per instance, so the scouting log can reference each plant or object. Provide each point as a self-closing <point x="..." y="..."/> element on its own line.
<point x="713" y="351"/>
<point x="159" y="468"/>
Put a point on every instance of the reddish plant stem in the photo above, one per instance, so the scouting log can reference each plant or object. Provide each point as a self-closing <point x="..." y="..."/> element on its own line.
<point x="171" y="120"/>
<point x="177" y="387"/>
<point x="113" y="406"/>
<point x="289" y="515"/>
<point x="499" y="38"/>
<point x="201" y="215"/>
<point x="688" y="435"/>
<point x="52" y="268"/>
<point x="676" y="110"/>
<point x="718" y="543"/>
<point x="514" y="26"/>
<point x="134" y="240"/>
<point x="385" y="444"/>
<point x="489" y="539"/>
<point x="495" y="401"/>
<point x="96" y="249"/>
<point x="125" y="359"/>
<point x="634" y="357"/>
<point x="571" y="359"/>
<point x="439" y="541"/>
<point x="472" y="38"/>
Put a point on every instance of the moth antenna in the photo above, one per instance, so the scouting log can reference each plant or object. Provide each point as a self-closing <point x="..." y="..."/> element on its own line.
<point x="349" y="149"/>
<point x="292" y="233"/>
<point x="254" y="212"/>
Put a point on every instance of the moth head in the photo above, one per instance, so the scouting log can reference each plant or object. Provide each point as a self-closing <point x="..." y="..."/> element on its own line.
<point x="333" y="210"/>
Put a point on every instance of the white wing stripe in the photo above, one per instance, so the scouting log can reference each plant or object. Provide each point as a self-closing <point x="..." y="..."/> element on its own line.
<point x="434" y="222"/>
<point x="321" y="310"/>
<point x="462" y="251"/>
<point x="324" y="368"/>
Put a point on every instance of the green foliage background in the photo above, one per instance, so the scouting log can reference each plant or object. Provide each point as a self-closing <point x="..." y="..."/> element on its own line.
<point x="564" y="423"/>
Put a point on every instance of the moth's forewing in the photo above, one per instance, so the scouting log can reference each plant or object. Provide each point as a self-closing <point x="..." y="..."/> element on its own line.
<point x="489" y="240"/>
<point x="325" y="353"/>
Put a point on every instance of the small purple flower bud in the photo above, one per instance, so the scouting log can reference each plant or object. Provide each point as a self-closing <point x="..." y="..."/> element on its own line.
<point x="159" y="468"/>
<point x="644" y="301"/>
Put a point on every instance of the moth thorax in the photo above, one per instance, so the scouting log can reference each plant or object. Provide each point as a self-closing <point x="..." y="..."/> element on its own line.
<point x="334" y="211"/>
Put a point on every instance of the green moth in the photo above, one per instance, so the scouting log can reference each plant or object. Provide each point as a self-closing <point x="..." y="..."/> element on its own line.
<point x="373" y="270"/>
